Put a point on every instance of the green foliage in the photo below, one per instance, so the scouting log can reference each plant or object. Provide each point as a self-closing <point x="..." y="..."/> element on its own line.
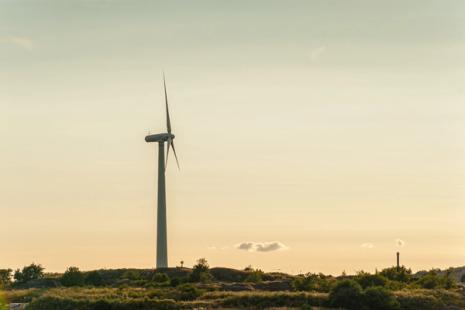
<point x="72" y="277"/>
<point x="433" y="280"/>
<point x="201" y="271"/>
<point x="264" y="300"/>
<point x="379" y="298"/>
<point x="255" y="276"/>
<point x="401" y="274"/>
<point x="188" y="292"/>
<point x="28" y="273"/>
<point x="175" y="282"/>
<point x="347" y="294"/>
<point x="160" y="277"/>
<point x="5" y="277"/>
<point x="313" y="282"/>
<point x="93" y="278"/>
<point x="367" y="280"/>
<point x="131" y="275"/>
<point x="462" y="279"/>
<point x="55" y="303"/>
<point x="419" y="301"/>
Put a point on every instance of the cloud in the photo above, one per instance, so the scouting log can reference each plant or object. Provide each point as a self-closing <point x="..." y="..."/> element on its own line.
<point x="261" y="246"/>
<point x="400" y="243"/>
<point x="367" y="245"/>
<point x="23" y="42"/>
<point x="317" y="52"/>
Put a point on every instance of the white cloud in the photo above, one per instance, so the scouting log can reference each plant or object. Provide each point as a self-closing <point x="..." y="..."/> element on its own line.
<point x="367" y="245"/>
<point x="23" y="42"/>
<point x="400" y="243"/>
<point x="261" y="246"/>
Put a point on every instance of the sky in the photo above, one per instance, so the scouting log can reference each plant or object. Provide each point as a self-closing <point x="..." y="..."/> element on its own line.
<point x="313" y="136"/>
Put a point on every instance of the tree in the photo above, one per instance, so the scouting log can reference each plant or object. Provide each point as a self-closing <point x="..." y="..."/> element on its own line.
<point x="201" y="271"/>
<point x="93" y="278"/>
<point x="5" y="277"/>
<point x="28" y="273"/>
<point x="346" y="294"/>
<point x="72" y="277"/>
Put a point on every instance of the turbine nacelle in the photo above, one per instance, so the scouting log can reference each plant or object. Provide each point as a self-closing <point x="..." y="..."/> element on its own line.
<point x="159" y="137"/>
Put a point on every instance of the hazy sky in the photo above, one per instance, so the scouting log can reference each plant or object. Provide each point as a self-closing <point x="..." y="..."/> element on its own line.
<point x="332" y="127"/>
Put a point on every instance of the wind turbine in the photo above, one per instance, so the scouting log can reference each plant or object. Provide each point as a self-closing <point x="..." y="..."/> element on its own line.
<point x="161" y="138"/>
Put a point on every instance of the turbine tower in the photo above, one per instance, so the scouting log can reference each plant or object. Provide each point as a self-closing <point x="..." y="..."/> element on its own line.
<point x="161" y="138"/>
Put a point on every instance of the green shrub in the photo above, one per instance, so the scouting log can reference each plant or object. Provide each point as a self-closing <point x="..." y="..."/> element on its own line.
<point x="414" y="301"/>
<point x="401" y="274"/>
<point x="462" y="279"/>
<point x="54" y="303"/>
<point x="188" y="292"/>
<point x="379" y="298"/>
<point x="72" y="277"/>
<point x="201" y="271"/>
<point x="131" y="275"/>
<point x="346" y="294"/>
<point x="160" y="277"/>
<point x="93" y="278"/>
<point x="313" y="282"/>
<point x="5" y="277"/>
<point x="367" y="280"/>
<point x="254" y="276"/>
<point x="433" y="280"/>
<point x="28" y="273"/>
<point x="175" y="282"/>
<point x="261" y="300"/>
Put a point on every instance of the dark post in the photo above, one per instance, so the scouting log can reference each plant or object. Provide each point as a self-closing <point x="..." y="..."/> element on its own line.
<point x="398" y="261"/>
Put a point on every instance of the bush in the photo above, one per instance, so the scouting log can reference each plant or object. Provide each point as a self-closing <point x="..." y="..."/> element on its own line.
<point x="28" y="273"/>
<point x="379" y="298"/>
<point x="346" y="294"/>
<point x="367" y="280"/>
<point x="5" y="277"/>
<point x="313" y="282"/>
<point x="254" y="276"/>
<point x="412" y="301"/>
<point x="433" y="280"/>
<point x="201" y="271"/>
<point x="188" y="292"/>
<point x="175" y="282"/>
<point x="72" y="277"/>
<point x="462" y="279"/>
<point x="401" y="274"/>
<point x="131" y="275"/>
<point x="54" y="303"/>
<point x="160" y="277"/>
<point x="93" y="278"/>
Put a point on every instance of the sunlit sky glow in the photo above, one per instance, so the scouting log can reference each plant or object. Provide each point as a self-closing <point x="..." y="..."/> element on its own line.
<point x="316" y="133"/>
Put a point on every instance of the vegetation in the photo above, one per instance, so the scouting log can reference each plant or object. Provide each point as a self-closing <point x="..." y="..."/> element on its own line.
<point x="72" y="277"/>
<point x="205" y="287"/>
<point x="29" y="273"/>
<point x="5" y="277"/>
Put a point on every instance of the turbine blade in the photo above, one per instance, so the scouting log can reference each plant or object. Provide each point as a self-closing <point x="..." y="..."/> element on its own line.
<point x="167" y="153"/>
<point x="175" y="156"/>
<point x="168" y="122"/>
